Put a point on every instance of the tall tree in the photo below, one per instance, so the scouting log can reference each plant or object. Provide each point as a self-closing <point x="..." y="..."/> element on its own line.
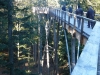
<point x="10" y="23"/>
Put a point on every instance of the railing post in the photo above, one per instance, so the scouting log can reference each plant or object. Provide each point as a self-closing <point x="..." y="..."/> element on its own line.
<point x="65" y="20"/>
<point x="57" y="15"/>
<point x="61" y="16"/>
<point x="74" y="20"/>
<point x="82" y="26"/>
<point x="64" y="16"/>
<point x="68" y="18"/>
<point x="49" y="13"/>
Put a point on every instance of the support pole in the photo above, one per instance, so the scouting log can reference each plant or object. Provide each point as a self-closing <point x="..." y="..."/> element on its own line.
<point x="67" y="49"/>
<point x="72" y="53"/>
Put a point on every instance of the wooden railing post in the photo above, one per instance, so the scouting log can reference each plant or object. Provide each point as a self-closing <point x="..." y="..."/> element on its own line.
<point x="61" y="16"/>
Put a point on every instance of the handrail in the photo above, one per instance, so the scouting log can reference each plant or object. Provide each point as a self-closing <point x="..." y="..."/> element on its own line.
<point x="65" y="16"/>
<point x="61" y="15"/>
<point x="76" y="15"/>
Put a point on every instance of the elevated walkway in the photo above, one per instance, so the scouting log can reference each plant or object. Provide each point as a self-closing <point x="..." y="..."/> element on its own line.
<point x="87" y="63"/>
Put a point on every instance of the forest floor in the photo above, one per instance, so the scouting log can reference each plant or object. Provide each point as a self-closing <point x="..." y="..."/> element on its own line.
<point x="62" y="70"/>
<point x="2" y="70"/>
<point x="32" y="68"/>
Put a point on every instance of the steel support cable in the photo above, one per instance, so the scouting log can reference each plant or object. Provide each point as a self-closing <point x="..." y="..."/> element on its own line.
<point x="67" y="49"/>
<point x="78" y="49"/>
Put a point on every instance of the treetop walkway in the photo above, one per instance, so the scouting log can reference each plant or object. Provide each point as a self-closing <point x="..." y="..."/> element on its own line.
<point x="88" y="62"/>
<point x="66" y="16"/>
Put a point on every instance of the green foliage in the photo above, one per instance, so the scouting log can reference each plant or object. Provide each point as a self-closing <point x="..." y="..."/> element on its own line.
<point x="5" y="72"/>
<point x="62" y="48"/>
<point x="3" y="46"/>
<point x="3" y="35"/>
<point x="62" y="54"/>
<point x="19" y="72"/>
<point x="24" y="34"/>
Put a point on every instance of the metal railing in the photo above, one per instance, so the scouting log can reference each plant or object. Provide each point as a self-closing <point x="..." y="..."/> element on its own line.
<point x="65" y="16"/>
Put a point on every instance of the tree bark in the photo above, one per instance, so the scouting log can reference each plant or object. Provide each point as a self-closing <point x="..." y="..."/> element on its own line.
<point x="47" y="50"/>
<point x="36" y="52"/>
<point x="39" y="46"/>
<point x="10" y="23"/>
<point x="55" y="47"/>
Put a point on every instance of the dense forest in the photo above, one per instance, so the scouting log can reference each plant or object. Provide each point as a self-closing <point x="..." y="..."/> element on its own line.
<point x="22" y="34"/>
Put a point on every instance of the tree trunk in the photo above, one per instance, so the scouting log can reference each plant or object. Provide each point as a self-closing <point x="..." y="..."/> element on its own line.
<point x="57" y="41"/>
<point x="40" y="52"/>
<point x="18" y="28"/>
<point x="36" y="52"/>
<point x="10" y="23"/>
<point x="39" y="46"/>
<point x="55" y="48"/>
<point x="47" y="50"/>
<point x="33" y="53"/>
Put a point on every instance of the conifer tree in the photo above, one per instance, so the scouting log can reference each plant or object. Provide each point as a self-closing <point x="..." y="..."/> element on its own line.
<point x="10" y="23"/>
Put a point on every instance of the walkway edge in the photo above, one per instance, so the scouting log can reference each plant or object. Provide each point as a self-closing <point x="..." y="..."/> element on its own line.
<point x="87" y="63"/>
